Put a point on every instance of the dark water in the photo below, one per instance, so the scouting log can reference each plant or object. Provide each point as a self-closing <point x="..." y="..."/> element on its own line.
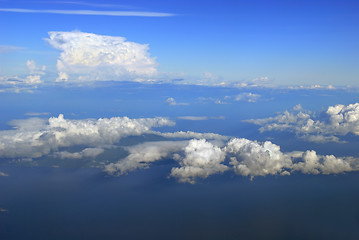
<point x="50" y="203"/>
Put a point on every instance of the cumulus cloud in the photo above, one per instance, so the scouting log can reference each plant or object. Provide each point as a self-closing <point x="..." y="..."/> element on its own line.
<point x="198" y="155"/>
<point x="201" y="159"/>
<point x="338" y="120"/>
<point x="247" y="97"/>
<point x="34" y="69"/>
<point x="89" y="57"/>
<point x="312" y="163"/>
<point x="36" y="137"/>
<point x="251" y="158"/>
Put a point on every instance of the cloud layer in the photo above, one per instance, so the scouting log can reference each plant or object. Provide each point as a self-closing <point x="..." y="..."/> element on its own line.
<point x="89" y="57"/>
<point x="199" y="158"/>
<point x="338" y="120"/>
<point x="195" y="155"/>
<point x="35" y="137"/>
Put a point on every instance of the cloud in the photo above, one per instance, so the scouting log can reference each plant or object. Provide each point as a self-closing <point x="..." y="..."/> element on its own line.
<point x="8" y="49"/>
<point x="247" y="97"/>
<point x="199" y="118"/>
<point x="37" y="113"/>
<point x="196" y="135"/>
<point x="141" y="155"/>
<point x="171" y="101"/>
<point x="91" y="57"/>
<point x="201" y="159"/>
<point x="2" y="174"/>
<point x="90" y="12"/>
<point x="328" y="164"/>
<point x="34" y="69"/>
<point x="85" y="153"/>
<point x="34" y="137"/>
<point x="251" y="158"/>
<point x="338" y="120"/>
<point x="3" y="210"/>
<point x="317" y="87"/>
<point x="197" y="155"/>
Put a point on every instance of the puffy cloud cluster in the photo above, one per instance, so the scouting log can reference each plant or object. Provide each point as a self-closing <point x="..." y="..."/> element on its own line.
<point x="250" y="158"/>
<point x="87" y="56"/>
<point x="337" y="121"/>
<point x="203" y="155"/>
<point x="36" y="137"/>
<point x="201" y="159"/>
<point x="312" y="163"/>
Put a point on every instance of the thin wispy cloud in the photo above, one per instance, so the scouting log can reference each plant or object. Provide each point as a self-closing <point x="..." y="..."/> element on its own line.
<point x="90" y="12"/>
<point x="8" y="49"/>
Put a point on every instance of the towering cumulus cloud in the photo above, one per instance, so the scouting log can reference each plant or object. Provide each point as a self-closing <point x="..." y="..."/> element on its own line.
<point x="87" y="56"/>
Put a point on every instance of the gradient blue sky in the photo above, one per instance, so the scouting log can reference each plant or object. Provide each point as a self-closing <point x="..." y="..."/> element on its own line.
<point x="290" y="42"/>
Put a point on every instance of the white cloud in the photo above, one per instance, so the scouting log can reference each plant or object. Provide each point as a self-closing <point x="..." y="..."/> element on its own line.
<point x="8" y="49"/>
<point x="36" y="137"/>
<point x="338" y="120"/>
<point x="317" y="87"/>
<point x="199" y="118"/>
<point x="196" y="135"/>
<point x="193" y="118"/>
<point x="141" y="155"/>
<point x="248" y="97"/>
<point x="251" y="158"/>
<point x="328" y="164"/>
<point x="171" y="101"/>
<point x="37" y="113"/>
<point x="91" y="57"/>
<point x="2" y="174"/>
<point x="201" y="159"/>
<point x="85" y="153"/>
<point x="34" y="69"/>
<point x="197" y="158"/>
<point x="90" y="12"/>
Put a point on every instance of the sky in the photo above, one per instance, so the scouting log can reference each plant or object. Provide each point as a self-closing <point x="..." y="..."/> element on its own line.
<point x="208" y="119"/>
<point x="290" y="43"/>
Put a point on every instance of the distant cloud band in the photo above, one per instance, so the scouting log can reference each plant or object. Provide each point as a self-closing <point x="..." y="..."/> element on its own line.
<point x="90" y="12"/>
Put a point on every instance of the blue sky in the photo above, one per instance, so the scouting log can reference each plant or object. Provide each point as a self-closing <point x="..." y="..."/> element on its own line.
<point x="290" y="43"/>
